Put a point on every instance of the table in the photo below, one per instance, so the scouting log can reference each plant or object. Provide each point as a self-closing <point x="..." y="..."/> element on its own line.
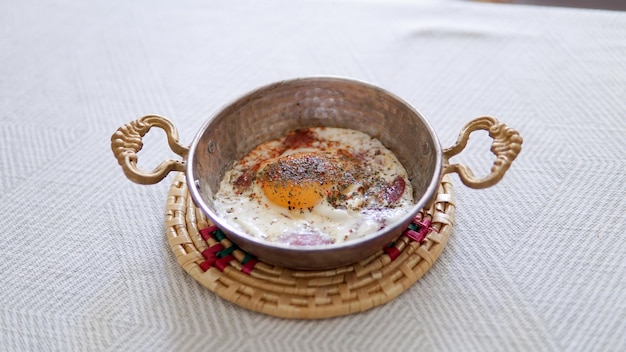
<point x="536" y="262"/>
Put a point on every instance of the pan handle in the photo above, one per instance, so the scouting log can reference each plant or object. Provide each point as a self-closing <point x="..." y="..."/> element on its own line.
<point x="506" y="145"/>
<point x="126" y="142"/>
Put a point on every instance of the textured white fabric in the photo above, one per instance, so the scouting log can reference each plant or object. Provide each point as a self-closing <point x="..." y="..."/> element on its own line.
<point x="537" y="262"/>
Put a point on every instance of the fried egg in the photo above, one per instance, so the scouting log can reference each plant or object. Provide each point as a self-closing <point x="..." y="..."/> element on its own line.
<point x="315" y="186"/>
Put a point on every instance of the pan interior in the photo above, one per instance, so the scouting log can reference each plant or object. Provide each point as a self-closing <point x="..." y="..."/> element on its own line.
<point x="273" y="111"/>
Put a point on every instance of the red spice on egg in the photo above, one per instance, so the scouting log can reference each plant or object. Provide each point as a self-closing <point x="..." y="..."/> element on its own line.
<point x="245" y="179"/>
<point x="299" y="139"/>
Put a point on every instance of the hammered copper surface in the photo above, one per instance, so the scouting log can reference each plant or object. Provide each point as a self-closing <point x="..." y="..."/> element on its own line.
<point x="272" y="111"/>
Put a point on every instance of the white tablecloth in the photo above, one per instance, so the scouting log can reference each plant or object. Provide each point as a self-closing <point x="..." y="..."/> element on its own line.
<point x="537" y="262"/>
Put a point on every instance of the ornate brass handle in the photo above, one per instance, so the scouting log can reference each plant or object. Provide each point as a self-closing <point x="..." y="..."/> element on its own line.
<point x="126" y="142"/>
<point x="506" y="145"/>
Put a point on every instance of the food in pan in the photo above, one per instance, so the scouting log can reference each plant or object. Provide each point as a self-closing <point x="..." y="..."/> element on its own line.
<point x="315" y="186"/>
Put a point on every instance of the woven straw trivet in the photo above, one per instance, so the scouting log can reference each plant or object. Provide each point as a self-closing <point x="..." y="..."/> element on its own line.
<point x="237" y="277"/>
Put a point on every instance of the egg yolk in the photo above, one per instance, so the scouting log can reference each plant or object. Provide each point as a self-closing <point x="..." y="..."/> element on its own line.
<point x="297" y="181"/>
